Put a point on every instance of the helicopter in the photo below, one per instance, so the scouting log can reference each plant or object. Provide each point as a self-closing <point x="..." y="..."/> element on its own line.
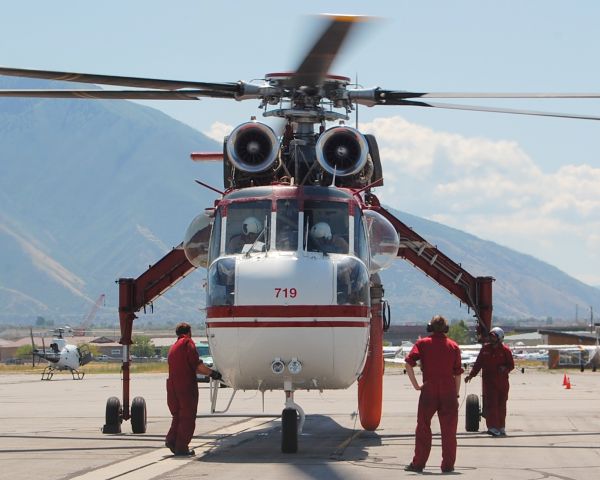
<point x="295" y="241"/>
<point x="61" y="356"/>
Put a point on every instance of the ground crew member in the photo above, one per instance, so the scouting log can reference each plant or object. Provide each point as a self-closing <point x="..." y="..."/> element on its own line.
<point x="182" y="390"/>
<point x="440" y="363"/>
<point x="496" y="361"/>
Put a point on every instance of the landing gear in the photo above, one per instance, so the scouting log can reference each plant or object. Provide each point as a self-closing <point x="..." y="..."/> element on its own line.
<point x="114" y="416"/>
<point x="290" y="428"/>
<point x="473" y="413"/>
<point x="48" y="373"/>
<point x="138" y="415"/>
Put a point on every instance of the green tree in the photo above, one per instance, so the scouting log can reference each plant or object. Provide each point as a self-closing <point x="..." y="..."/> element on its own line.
<point x="459" y="332"/>
<point x="24" y="351"/>
<point x="142" y="346"/>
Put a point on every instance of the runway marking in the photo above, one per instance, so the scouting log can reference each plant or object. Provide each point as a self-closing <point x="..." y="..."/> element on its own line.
<point x="161" y="461"/>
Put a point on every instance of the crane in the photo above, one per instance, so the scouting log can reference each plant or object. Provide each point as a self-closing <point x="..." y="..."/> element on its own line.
<point x="80" y="331"/>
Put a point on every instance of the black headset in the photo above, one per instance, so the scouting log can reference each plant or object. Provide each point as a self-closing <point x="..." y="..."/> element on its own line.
<point x="430" y="328"/>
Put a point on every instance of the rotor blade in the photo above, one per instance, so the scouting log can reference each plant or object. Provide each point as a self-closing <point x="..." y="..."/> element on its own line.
<point x="492" y="109"/>
<point x="315" y="65"/>
<point x="116" y="80"/>
<point x="118" y="94"/>
<point x="400" y="95"/>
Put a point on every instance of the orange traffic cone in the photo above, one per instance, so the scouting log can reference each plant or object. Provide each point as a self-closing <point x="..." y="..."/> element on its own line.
<point x="565" y="380"/>
<point x="568" y="384"/>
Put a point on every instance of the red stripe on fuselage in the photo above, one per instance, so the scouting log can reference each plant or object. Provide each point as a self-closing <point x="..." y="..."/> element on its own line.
<point x="288" y="311"/>
<point x="288" y="324"/>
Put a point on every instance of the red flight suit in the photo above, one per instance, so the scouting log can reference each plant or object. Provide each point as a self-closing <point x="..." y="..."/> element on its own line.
<point x="440" y="362"/>
<point x="182" y="392"/>
<point x="496" y="361"/>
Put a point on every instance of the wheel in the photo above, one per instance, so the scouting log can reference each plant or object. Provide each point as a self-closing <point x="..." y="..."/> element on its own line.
<point x="472" y="413"/>
<point x="289" y="430"/>
<point x="114" y="416"/>
<point x="138" y="415"/>
<point x="113" y="411"/>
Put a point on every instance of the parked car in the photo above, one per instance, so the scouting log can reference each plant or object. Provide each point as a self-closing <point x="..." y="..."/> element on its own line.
<point x="205" y="355"/>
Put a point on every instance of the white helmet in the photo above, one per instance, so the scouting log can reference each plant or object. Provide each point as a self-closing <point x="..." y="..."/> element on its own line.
<point x="320" y="231"/>
<point x="251" y="225"/>
<point x="498" y="332"/>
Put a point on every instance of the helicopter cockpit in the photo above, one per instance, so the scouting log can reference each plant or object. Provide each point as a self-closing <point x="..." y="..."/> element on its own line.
<point x="283" y="227"/>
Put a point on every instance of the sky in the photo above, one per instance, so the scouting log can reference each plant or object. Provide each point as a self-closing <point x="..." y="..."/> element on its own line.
<point x="528" y="183"/>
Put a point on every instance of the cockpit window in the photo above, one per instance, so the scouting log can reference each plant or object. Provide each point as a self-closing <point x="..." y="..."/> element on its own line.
<point x="326" y="226"/>
<point x="361" y="244"/>
<point x="214" y="249"/>
<point x="248" y="226"/>
<point x="286" y="237"/>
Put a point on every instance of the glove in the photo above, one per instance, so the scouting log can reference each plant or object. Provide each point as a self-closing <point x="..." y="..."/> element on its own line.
<point x="216" y="375"/>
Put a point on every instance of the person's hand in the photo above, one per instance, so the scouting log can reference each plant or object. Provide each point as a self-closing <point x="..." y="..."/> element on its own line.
<point x="468" y="378"/>
<point x="215" y="375"/>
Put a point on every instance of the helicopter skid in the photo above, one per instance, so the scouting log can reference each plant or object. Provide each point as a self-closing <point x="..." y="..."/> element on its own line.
<point x="48" y="373"/>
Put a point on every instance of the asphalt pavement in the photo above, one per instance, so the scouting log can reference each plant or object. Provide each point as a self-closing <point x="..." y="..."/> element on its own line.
<point x="53" y="430"/>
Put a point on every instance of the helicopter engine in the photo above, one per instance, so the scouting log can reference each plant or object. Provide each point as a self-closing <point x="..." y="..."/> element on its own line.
<point x="344" y="152"/>
<point x="252" y="149"/>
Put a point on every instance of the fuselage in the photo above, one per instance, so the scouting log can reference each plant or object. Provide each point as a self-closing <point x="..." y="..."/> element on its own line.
<point x="283" y="310"/>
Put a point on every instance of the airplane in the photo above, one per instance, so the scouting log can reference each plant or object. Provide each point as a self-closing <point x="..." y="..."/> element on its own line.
<point x="392" y="351"/>
<point x="61" y="356"/>
<point x="295" y="240"/>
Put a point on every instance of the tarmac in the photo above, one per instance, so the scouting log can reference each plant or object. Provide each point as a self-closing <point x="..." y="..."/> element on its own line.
<point x="53" y="430"/>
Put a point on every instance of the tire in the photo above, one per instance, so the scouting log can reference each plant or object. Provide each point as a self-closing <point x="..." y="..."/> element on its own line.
<point x="114" y="413"/>
<point x="138" y="415"/>
<point x="472" y="413"/>
<point x="289" y="430"/>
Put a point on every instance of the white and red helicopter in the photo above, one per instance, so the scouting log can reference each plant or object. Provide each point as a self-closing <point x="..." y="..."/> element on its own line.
<point x="61" y="356"/>
<point x="295" y="240"/>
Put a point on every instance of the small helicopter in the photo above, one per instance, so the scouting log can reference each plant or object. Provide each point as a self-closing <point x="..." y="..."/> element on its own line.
<point x="61" y="356"/>
<point x="294" y="243"/>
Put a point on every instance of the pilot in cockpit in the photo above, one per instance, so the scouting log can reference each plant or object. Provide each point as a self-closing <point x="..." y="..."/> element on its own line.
<point x="251" y="228"/>
<point x="321" y="240"/>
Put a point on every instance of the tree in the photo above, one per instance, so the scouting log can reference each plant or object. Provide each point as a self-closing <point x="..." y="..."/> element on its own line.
<point x="24" y="351"/>
<point x="459" y="332"/>
<point x="142" y="346"/>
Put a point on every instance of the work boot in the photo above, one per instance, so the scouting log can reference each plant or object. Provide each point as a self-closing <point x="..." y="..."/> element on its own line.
<point x="413" y="468"/>
<point x="185" y="453"/>
<point x="170" y="446"/>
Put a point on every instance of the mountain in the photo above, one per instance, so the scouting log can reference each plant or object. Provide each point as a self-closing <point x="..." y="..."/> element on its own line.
<point x="524" y="286"/>
<point x="91" y="191"/>
<point x="94" y="190"/>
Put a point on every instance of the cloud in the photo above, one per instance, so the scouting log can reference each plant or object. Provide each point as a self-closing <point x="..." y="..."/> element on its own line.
<point x="493" y="189"/>
<point x="218" y="131"/>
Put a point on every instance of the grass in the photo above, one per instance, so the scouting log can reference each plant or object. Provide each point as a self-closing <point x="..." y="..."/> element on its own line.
<point x="91" y="368"/>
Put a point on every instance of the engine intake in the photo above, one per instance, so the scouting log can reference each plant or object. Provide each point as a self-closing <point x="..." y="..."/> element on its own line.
<point x="342" y="151"/>
<point x="252" y="147"/>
